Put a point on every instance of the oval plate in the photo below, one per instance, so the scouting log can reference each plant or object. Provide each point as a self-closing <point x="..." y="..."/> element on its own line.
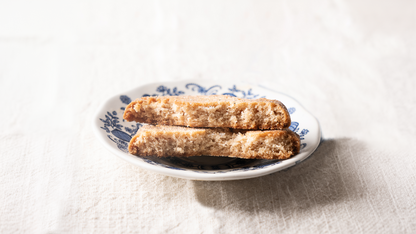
<point x="115" y="133"/>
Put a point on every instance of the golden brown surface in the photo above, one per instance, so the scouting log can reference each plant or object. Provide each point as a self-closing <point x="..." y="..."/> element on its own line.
<point x="166" y="141"/>
<point x="209" y="111"/>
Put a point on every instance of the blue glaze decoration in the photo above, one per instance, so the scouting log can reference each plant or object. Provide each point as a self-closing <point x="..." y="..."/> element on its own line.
<point x="119" y="135"/>
<point x="165" y="91"/>
<point x="303" y="145"/>
<point x="303" y="133"/>
<point x="124" y="99"/>
<point x="294" y="127"/>
<point x="291" y="110"/>
<point x="202" y="90"/>
<point x="234" y="92"/>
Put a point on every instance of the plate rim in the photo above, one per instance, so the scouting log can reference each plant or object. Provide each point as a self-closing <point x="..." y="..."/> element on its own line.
<point x="285" y="164"/>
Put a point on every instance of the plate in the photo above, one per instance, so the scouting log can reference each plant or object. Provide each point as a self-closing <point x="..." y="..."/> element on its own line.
<point x="114" y="132"/>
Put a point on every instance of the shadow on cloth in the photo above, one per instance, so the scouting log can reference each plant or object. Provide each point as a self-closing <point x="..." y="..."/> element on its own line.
<point x="326" y="177"/>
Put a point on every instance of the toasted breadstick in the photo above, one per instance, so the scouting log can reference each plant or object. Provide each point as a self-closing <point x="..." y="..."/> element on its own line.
<point x="209" y="111"/>
<point x="166" y="141"/>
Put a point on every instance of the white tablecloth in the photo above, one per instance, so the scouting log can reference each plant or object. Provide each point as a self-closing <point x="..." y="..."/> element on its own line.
<point x="350" y="63"/>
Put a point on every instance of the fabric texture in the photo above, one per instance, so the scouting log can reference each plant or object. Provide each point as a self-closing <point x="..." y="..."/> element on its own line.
<point x="350" y="63"/>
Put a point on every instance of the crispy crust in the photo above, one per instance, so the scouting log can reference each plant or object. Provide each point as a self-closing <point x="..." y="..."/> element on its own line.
<point x="209" y="111"/>
<point x="165" y="141"/>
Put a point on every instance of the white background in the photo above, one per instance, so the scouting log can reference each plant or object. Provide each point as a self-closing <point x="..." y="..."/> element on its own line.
<point x="352" y="64"/>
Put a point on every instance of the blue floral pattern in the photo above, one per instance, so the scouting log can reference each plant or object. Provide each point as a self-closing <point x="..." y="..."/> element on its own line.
<point x="213" y="90"/>
<point x="165" y="91"/>
<point x="234" y="92"/>
<point x="122" y="132"/>
<point x="125" y="99"/>
<point x="294" y="127"/>
<point x="118" y="136"/>
<point x="202" y="90"/>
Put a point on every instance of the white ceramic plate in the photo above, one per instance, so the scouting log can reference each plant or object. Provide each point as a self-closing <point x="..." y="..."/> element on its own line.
<point x="115" y="133"/>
